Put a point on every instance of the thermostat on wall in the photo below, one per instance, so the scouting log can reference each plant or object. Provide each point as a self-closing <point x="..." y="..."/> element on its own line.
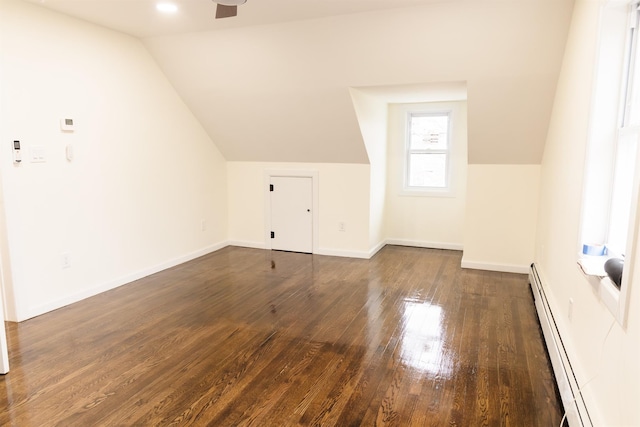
<point x="67" y="124"/>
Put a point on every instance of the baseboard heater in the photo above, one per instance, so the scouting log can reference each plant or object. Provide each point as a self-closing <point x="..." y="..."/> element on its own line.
<point x="573" y="401"/>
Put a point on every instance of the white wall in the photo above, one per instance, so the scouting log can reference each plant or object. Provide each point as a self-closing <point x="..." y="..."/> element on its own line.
<point x="500" y="217"/>
<point x="603" y="354"/>
<point x="144" y="175"/>
<point x="372" y="119"/>
<point x="291" y="81"/>
<point x="344" y="197"/>
<point x="429" y="221"/>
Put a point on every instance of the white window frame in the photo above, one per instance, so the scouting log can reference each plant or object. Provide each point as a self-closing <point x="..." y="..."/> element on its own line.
<point x="447" y="190"/>
<point x="627" y="130"/>
<point x="608" y="124"/>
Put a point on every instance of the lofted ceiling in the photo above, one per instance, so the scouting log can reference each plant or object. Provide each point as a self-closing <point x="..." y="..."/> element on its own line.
<point x="141" y="19"/>
<point x="273" y="83"/>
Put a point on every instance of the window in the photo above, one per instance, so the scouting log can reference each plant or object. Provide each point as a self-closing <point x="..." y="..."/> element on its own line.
<point x="428" y="151"/>
<point x="610" y="198"/>
<point x="626" y="143"/>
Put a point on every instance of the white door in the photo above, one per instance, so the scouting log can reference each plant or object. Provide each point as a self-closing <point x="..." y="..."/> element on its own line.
<point x="291" y="216"/>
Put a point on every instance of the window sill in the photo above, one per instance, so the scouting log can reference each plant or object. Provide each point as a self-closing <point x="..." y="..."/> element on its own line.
<point x="445" y="192"/>
<point x="593" y="265"/>
<point x="592" y="268"/>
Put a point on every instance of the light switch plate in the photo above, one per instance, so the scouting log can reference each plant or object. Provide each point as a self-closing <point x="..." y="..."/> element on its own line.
<point x="38" y="154"/>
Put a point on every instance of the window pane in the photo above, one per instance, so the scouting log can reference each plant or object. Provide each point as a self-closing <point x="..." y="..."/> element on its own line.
<point x="633" y="81"/>
<point x="622" y="192"/>
<point x="634" y="107"/>
<point x="428" y="170"/>
<point x="429" y="132"/>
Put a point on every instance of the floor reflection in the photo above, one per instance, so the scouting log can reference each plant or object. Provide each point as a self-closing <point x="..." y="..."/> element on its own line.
<point x="422" y="346"/>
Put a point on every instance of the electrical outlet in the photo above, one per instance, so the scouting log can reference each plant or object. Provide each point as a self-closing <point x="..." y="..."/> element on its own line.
<point x="342" y="226"/>
<point x="65" y="260"/>
<point x="203" y="225"/>
<point x="570" y="311"/>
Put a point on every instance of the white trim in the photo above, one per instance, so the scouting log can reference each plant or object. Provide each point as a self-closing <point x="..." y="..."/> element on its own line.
<point x="490" y="266"/>
<point x="597" y="172"/>
<point x="395" y="242"/>
<point x="431" y="192"/>
<point x="448" y="189"/>
<point x="610" y="296"/>
<point x="377" y="249"/>
<point x="115" y="283"/>
<point x="423" y="244"/>
<point x="342" y="253"/>
<point x="301" y="173"/>
<point x="247" y="244"/>
<point x="559" y="349"/>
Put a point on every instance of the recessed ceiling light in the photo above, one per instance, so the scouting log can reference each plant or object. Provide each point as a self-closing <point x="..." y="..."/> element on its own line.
<point x="167" y="7"/>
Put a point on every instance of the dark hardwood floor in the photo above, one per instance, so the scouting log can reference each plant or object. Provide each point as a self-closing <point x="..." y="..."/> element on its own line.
<point x="252" y="337"/>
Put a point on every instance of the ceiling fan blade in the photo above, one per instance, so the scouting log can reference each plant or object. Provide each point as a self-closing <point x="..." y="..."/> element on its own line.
<point x="223" y="11"/>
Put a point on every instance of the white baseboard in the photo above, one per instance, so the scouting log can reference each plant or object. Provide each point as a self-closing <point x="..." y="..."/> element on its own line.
<point x="489" y="266"/>
<point x="342" y="253"/>
<point x="360" y="254"/>
<point x="377" y="248"/>
<point x="559" y="349"/>
<point x="247" y="244"/>
<point x="423" y="244"/>
<point x="112" y="284"/>
<point x="319" y="251"/>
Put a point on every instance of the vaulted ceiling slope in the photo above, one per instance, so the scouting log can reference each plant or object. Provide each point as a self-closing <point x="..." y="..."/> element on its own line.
<point x="280" y="92"/>
<point x="272" y="84"/>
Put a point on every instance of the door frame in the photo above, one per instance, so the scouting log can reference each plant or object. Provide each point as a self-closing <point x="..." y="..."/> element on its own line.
<point x="292" y="173"/>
